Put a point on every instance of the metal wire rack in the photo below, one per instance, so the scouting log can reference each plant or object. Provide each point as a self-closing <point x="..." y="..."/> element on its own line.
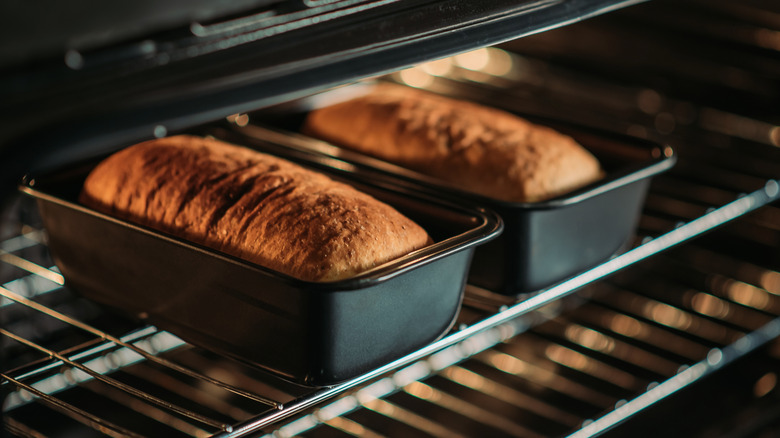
<point x="99" y="356"/>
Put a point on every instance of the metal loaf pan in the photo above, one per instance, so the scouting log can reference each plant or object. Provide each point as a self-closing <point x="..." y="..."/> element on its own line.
<point x="543" y="243"/>
<point x="311" y="333"/>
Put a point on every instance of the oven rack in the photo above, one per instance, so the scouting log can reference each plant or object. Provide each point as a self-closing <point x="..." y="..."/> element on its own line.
<point x="95" y="359"/>
<point x="88" y="361"/>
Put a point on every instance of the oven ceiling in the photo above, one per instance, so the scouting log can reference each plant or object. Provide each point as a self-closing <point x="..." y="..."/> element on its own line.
<point x="166" y="68"/>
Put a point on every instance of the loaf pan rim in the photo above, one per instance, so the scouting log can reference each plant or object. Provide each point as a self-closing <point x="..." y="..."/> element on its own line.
<point x="665" y="160"/>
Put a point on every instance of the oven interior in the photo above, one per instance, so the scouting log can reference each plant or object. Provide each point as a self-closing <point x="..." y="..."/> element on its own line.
<point x="676" y="335"/>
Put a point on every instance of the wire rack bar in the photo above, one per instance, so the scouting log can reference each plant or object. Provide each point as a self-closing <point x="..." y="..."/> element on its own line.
<point x="158" y="360"/>
<point x="117" y="384"/>
<point x="74" y="412"/>
<point x="716" y="359"/>
<point x="31" y="267"/>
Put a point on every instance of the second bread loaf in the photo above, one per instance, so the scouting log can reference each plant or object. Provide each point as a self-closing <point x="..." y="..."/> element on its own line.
<point x="473" y="147"/>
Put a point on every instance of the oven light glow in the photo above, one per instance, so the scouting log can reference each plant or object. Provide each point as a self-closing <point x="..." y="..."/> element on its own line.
<point x="580" y="362"/>
<point x="739" y="126"/>
<point x="627" y="326"/>
<point x="489" y="60"/>
<point x="509" y="364"/>
<point x="767" y="38"/>
<point x="422" y="391"/>
<point x="439" y="67"/>
<point x="474" y="60"/>
<point x="350" y="427"/>
<point x="649" y="101"/>
<point x="747" y="294"/>
<point x="239" y="119"/>
<point x="466" y="378"/>
<point x="765" y="384"/>
<point x="770" y="281"/>
<point x="517" y="367"/>
<point x="710" y="305"/>
<point x="667" y="315"/>
<point x="416" y="77"/>
<point x="407" y="417"/>
<point x="589" y="338"/>
<point x="774" y="135"/>
<point x="741" y="292"/>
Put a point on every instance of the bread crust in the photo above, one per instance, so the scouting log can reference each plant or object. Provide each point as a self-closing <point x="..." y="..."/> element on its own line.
<point x="254" y="206"/>
<point x="475" y="148"/>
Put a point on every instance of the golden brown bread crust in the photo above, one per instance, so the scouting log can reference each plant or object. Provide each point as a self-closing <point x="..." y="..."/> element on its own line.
<point x="473" y="147"/>
<point x="254" y="206"/>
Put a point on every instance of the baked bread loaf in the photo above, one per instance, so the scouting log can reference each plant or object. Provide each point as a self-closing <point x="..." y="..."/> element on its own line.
<point x="254" y="206"/>
<point x="473" y="147"/>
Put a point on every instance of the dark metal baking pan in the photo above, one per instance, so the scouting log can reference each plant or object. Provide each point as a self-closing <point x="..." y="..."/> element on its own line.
<point x="543" y="243"/>
<point x="311" y="333"/>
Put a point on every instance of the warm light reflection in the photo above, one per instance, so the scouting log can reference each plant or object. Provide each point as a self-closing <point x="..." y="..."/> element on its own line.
<point x="512" y="365"/>
<point x="739" y="126"/>
<point x="747" y="294"/>
<point x="474" y="60"/>
<point x="500" y="64"/>
<point x="770" y="281"/>
<point x="627" y="326"/>
<point x="667" y="315"/>
<point x="508" y="364"/>
<point x="765" y="384"/>
<point x="743" y="293"/>
<point x="587" y="365"/>
<point x="381" y="406"/>
<point x="350" y="427"/>
<point x="492" y="61"/>
<point x="415" y="77"/>
<point x="437" y="68"/>
<point x="649" y="101"/>
<point x="467" y="378"/>
<point x="422" y="391"/>
<point x="589" y="338"/>
<point x="709" y="305"/>
<point x="774" y="136"/>
<point x="414" y="420"/>
<point x="767" y="38"/>
<point x="239" y="119"/>
<point x="569" y="358"/>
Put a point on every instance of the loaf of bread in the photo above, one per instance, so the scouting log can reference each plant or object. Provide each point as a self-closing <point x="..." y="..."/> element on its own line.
<point x="254" y="206"/>
<point x="473" y="147"/>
